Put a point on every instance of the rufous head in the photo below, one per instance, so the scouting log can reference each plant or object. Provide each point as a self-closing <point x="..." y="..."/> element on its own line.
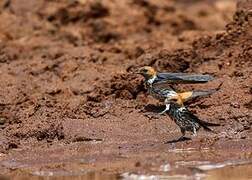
<point x="147" y="71"/>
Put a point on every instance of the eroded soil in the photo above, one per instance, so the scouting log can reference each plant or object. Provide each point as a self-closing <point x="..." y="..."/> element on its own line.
<point x="71" y="102"/>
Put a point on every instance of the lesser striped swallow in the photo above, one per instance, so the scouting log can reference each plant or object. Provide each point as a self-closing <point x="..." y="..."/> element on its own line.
<point x="155" y="80"/>
<point x="186" y="120"/>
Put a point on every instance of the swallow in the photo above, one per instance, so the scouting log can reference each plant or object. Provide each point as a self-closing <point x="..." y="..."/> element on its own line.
<point x="186" y="120"/>
<point x="154" y="82"/>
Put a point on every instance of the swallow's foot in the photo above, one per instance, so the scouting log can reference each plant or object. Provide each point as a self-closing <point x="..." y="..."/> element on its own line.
<point x="161" y="113"/>
<point x="178" y="140"/>
<point x="167" y="107"/>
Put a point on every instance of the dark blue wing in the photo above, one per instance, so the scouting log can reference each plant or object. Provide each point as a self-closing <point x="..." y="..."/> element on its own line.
<point x="182" y="78"/>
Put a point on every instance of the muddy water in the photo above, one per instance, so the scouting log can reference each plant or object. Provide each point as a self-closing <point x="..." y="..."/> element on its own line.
<point x="225" y="171"/>
<point x="19" y="175"/>
<point x="230" y="172"/>
<point x="210" y="164"/>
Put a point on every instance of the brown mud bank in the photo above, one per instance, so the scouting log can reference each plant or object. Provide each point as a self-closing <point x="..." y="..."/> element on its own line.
<point x="70" y="103"/>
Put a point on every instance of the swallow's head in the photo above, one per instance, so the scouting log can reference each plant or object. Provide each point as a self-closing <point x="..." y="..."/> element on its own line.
<point x="148" y="72"/>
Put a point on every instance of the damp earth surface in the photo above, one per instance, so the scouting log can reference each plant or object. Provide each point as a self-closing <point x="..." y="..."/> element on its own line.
<point x="71" y="105"/>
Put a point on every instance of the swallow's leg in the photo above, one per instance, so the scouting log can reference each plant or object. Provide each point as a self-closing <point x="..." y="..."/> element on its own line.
<point x="167" y="107"/>
<point x="181" y="138"/>
<point x="183" y="133"/>
<point x="194" y="131"/>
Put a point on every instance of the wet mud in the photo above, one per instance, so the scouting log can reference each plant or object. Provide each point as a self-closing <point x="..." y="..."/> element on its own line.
<point x="71" y="104"/>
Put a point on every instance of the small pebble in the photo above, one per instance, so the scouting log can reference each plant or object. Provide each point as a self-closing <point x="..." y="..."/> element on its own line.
<point x="2" y="120"/>
<point x="235" y="105"/>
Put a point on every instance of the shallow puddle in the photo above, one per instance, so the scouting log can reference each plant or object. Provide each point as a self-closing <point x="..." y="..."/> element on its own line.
<point x="166" y="163"/>
<point x="21" y="175"/>
<point x="224" y="171"/>
<point x="229" y="172"/>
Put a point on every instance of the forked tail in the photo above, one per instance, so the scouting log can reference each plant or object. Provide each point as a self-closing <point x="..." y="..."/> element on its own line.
<point x="205" y="125"/>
